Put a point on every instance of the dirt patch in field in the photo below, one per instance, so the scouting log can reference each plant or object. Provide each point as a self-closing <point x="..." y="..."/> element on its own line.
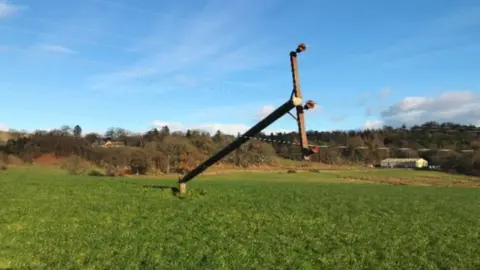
<point x="415" y="181"/>
<point x="50" y="159"/>
<point x="380" y="180"/>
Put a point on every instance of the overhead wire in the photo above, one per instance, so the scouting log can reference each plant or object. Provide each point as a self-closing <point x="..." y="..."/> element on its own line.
<point x="359" y="147"/>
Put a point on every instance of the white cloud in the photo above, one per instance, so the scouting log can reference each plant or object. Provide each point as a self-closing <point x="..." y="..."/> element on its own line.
<point x="8" y="10"/>
<point x="3" y="127"/>
<point x="460" y="107"/>
<point x="55" y="48"/>
<point x="268" y="109"/>
<point x="265" y="111"/>
<point x="372" y="124"/>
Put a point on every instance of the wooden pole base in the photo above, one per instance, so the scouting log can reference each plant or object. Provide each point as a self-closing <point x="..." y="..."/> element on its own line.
<point x="182" y="188"/>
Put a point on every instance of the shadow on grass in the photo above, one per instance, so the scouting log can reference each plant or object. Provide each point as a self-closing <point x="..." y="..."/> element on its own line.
<point x="191" y="194"/>
<point x="174" y="190"/>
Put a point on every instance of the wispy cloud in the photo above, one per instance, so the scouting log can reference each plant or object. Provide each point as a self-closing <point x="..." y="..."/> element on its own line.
<point x="202" y="43"/>
<point x="452" y="31"/>
<point x="212" y="128"/>
<point x="385" y="92"/>
<point x="55" y="49"/>
<point x="8" y="10"/>
<point x="77" y="38"/>
<point x="127" y="7"/>
<point x="232" y="129"/>
<point x="265" y="111"/>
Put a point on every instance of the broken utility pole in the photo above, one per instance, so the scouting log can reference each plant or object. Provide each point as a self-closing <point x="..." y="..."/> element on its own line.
<point x="295" y="101"/>
<point x="297" y="92"/>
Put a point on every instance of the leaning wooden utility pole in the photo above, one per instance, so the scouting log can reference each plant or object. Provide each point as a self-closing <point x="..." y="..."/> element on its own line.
<point x="297" y="92"/>
<point x="295" y="101"/>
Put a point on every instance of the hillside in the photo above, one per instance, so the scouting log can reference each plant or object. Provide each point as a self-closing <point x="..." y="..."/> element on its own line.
<point x="452" y="146"/>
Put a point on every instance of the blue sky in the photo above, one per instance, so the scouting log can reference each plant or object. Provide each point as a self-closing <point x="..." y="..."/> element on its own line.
<point x="224" y="64"/>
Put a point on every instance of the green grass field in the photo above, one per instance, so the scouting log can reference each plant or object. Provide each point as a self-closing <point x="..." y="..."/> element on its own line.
<point x="49" y="220"/>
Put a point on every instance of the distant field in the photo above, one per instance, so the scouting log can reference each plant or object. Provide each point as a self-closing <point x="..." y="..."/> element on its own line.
<point x="241" y="220"/>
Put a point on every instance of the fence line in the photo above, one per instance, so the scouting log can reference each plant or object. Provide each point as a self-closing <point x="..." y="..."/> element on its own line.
<point x="361" y="147"/>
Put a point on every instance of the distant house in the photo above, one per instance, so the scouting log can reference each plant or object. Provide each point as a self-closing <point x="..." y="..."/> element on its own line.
<point x="404" y="163"/>
<point x="109" y="144"/>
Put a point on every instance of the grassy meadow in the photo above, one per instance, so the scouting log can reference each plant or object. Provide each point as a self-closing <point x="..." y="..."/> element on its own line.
<point x="312" y="220"/>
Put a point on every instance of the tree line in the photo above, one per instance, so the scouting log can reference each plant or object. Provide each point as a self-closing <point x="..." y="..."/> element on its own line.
<point x="453" y="147"/>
